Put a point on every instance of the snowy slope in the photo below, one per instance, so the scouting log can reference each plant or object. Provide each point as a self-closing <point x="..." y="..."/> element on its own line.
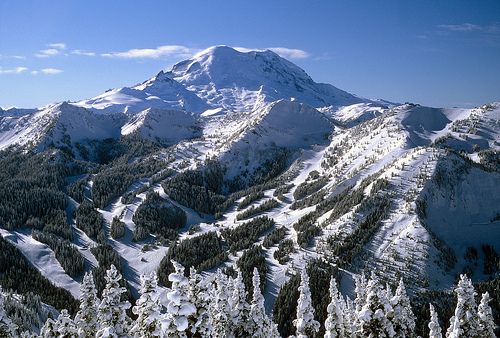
<point x="394" y="145"/>
<point x="171" y="125"/>
<point x="65" y="124"/>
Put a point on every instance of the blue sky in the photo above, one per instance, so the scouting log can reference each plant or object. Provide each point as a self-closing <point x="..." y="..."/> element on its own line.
<point x="436" y="53"/>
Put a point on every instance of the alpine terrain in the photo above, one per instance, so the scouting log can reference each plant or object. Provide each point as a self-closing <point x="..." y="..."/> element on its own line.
<point x="233" y="196"/>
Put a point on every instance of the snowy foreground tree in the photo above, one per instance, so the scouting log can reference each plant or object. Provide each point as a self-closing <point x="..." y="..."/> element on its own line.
<point x="261" y="324"/>
<point x="465" y="322"/>
<point x="218" y="307"/>
<point x="434" y="328"/>
<point x="111" y="312"/>
<point x="179" y="308"/>
<point x="486" y="324"/>
<point x="86" y="318"/>
<point x="305" y="323"/>
<point x="147" y="309"/>
<point x="334" y="324"/>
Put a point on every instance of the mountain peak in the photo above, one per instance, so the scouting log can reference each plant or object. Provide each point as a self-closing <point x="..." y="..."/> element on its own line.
<point x="224" y="79"/>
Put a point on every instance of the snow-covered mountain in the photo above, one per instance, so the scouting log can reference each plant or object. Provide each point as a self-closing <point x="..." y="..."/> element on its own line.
<point x="222" y="79"/>
<point x="228" y="136"/>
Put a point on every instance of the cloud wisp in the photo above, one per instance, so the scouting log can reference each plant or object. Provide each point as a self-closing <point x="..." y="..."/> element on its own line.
<point x="16" y="70"/>
<point x="465" y="27"/>
<point x="488" y="35"/>
<point x="81" y="52"/>
<point x="60" y="46"/>
<point x="153" y="53"/>
<point x="287" y="53"/>
<point x="175" y="51"/>
<point x="12" y="57"/>
<point x="51" y="71"/>
<point x="56" y="49"/>
<point x="47" y="53"/>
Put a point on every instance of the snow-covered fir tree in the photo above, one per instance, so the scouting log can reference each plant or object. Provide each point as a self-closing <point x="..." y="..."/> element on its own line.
<point x="86" y="317"/>
<point x="360" y="300"/>
<point x="465" y="321"/>
<point x="372" y="318"/>
<point x="112" y="318"/>
<point x="349" y="315"/>
<point x="147" y="309"/>
<point x="199" y="295"/>
<point x="305" y="323"/>
<point x="7" y="328"/>
<point x="261" y="325"/>
<point x="486" y="323"/>
<point x="403" y="320"/>
<point x="175" y="323"/>
<point x="66" y="327"/>
<point x="219" y="308"/>
<point x="434" y="327"/>
<point x="49" y="329"/>
<point x="334" y="323"/>
<point x="360" y="290"/>
<point x="239" y="308"/>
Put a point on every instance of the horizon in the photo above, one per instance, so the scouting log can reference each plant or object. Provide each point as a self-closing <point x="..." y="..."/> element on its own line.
<point x="443" y="54"/>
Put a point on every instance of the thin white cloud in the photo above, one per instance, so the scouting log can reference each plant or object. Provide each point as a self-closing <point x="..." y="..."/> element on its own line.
<point x="156" y="53"/>
<point x="81" y="52"/>
<point x="47" y="53"/>
<point x="55" y="49"/>
<point x="246" y="50"/>
<point x="61" y="46"/>
<point x="175" y="51"/>
<point x="34" y="72"/>
<point x="12" y="57"/>
<point x="288" y="53"/>
<point x="51" y="71"/>
<point x="16" y="70"/>
<point x="465" y="27"/>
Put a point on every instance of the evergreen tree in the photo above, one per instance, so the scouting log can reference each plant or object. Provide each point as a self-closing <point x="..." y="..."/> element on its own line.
<point x="434" y="327"/>
<point x="199" y="294"/>
<point x="86" y="318"/>
<point x="66" y="327"/>
<point x="486" y="323"/>
<point x="219" y="308"/>
<point x="239" y="307"/>
<point x="465" y="322"/>
<point x="49" y="329"/>
<point x="360" y="300"/>
<point x="179" y="307"/>
<point x="261" y="325"/>
<point x="112" y="317"/>
<point x="334" y="324"/>
<point x="7" y="328"/>
<point x="403" y="320"/>
<point x="349" y="315"/>
<point x="147" y="309"/>
<point x="305" y="323"/>
<point x="373" y="321"/>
